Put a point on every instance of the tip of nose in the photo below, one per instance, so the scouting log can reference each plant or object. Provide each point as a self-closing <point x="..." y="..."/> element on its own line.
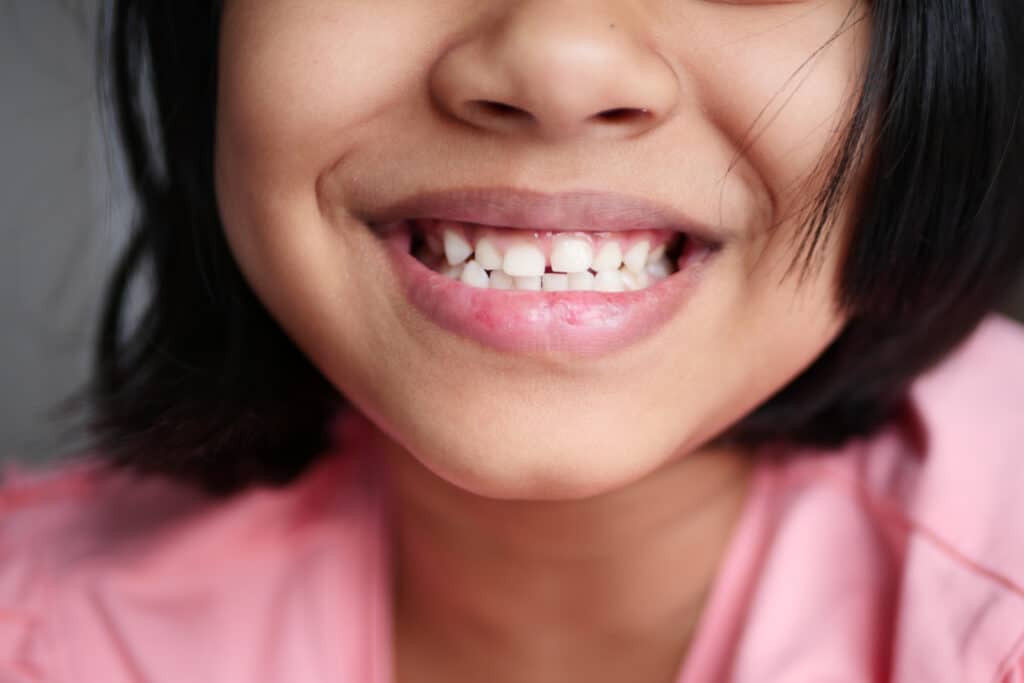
<point x="554" y="74"/>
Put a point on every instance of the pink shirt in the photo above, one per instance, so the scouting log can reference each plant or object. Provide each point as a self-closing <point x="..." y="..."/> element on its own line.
<point x="896" y="558"/>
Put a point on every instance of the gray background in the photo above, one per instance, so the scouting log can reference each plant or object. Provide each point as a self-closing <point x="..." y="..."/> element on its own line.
<point x="62" y="196"/>
<point x="63" y="215"/>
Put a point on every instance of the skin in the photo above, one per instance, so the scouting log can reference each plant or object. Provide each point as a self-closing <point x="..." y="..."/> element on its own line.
<point x="576" y="503"/>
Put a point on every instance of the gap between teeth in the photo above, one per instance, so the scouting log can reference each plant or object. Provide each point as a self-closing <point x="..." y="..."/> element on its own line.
<point x="574" y="265"/>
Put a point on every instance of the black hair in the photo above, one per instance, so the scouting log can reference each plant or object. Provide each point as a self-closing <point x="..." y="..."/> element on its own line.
<point x="204" y="386"/>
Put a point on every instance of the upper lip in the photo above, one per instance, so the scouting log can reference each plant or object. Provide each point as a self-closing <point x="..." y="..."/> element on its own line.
<point x="589" y="211"/>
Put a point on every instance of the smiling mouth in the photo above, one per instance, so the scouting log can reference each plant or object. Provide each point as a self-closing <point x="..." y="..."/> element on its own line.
<point x="517" y="290"/>
<point x="491" y="257"/>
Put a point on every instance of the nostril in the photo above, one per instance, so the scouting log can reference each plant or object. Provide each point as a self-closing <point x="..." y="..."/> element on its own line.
<point x="623" y="115"/>
<point x="499" y="109"/>
<point x="494" y="112"/>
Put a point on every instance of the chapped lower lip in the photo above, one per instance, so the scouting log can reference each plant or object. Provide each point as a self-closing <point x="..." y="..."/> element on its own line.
<point x="586" y="324"/>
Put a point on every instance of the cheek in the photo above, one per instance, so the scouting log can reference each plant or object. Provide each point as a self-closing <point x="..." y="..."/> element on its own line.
<point x="750" y="336"/>
<point x="297" y="79"/>
<point x="779" y="83"/>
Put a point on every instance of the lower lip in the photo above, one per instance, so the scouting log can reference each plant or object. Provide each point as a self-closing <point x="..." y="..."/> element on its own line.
<point x="578" y="323"/>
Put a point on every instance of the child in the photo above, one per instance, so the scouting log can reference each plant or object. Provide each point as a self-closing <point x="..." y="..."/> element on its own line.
<point x="548" y="340"/>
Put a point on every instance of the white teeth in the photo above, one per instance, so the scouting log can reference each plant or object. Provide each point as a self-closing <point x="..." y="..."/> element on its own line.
<point x="608" y="281"/>
<point x="656" y="253"/>
<point x="633" y="281"/>
<point x="487" y="255"/>
<point x="501" y="280"/>
<point x="456" y="249"/>
<point x="608" y="258"/>
<point x="523" y="264"/>
<point x="474" y="275"/>
<point x="636" y="258"/>
<point x="530" y="282"/>
<point x="660" y="268"/>
<point x="571" y="255"/>
<point x="524" y="260"/>
<point x="452" y="271"/>
<point x="581" y="282"/>
<point x="555" y="282"/>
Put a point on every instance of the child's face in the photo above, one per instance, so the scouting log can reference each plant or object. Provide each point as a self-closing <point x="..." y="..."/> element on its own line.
<point x="330" y="111"/>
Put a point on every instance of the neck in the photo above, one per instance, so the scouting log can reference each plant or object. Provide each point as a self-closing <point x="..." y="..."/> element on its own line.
<point x="609" y="588"/>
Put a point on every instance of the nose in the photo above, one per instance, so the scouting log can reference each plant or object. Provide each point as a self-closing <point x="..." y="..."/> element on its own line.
<point x="556" y="69"/>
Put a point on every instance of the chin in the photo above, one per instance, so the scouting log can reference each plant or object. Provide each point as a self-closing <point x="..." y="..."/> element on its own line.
<point x="551" y="471"/>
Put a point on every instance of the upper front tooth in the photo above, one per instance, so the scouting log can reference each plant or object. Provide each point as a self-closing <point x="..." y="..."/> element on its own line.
<point x="523" y="260"/>
<point x="636" y="257"/>
<point x="571" y="255"/>
<point x="456" y="248"/>
<point x="487" y="254"/>
<point x="608" y="258"/>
